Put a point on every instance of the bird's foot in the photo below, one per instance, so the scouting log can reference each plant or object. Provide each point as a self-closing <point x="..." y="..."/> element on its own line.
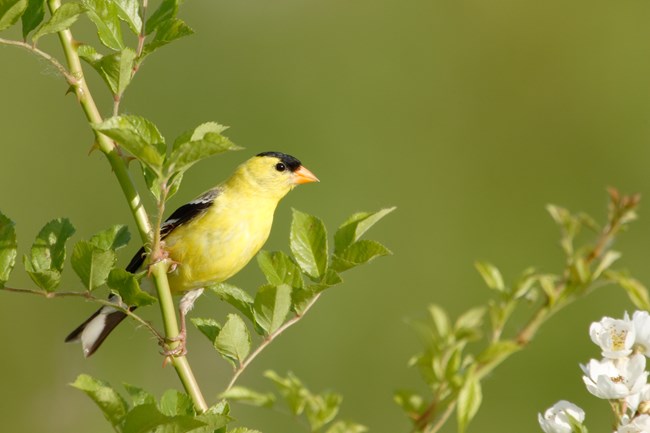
<point x="179" y="350"/>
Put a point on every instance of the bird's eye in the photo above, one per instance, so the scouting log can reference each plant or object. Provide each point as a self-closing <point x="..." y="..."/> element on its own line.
<point x="280" y="166"/>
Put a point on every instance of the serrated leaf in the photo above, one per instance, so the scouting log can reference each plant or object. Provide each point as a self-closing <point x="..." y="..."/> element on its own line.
<point x="33" y="16"/>
<point x="214" y="423"/>
<point x="113" y="238"/>
<point x="92" y="264"/>
<point x="358" y="253"/>
<point x="45" y="263"/>
<point x="138" y="136"/>
<point x="278" y="268"/>
<point x="110" y="402"/>
<point x="115" y="69"/>
<point x="246" y="395"/>
<point x="234" y="340"/>
<point x="291" y="388"/>
<point x="127" y="286"/>
<point x="104" y="13"/>
<point x="174" y="402"/>
<point x="147" y="418"/>
<point x="165" y="12"/>
<point x="129" y="11"/>
<point x="346" y="427"/>
<point x="308" y="242"/>
<point x="469" y="401"/>
<point x="236" y="297"/>
<point x="138" y="395"/>
<point x="167" y="32"/>
<point x="10" y="11"/>
<point x="62" y="19"/>
<point x="204" y="141"/>
<point x="208" y="327"/>
<point x="8" y="248"/>
<point x="607" y="260"/>
<point x="355" y="226"/>
<point x="271" y="306"/>
<point x="491" y="276"/>
<point x="322" y="409"/>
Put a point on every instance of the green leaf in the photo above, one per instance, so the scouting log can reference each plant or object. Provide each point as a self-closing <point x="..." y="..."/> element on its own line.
<point x="635" y="290"/>
<point x="279" y="268"/>
<point x="357" y="254"/>
<point x="214" y="423"/>
<point x="168" y="32"/>
<point x="234" y="340"/>
<point x="243" y="430"/>
<point x="92" y="264"/>
<point x="62" y="19"/>
<point x="355" y="226"/>
<point x="301" y="297"/>
<point x="115" y="69"/>
<point x="235" y="297"/>
<point x="109" y="401"/>
<point x="272" y="303"/>
<point x="165" y="12"/>
<point x="411" y="403"/>
<point x="104" y="13"/>
<point x="491" y="276"/>
<point x="246" y="395"/>
<point x="10" y="11"/>
<point x="440" y="320"/>
<point x="203" y="142"/>
<point x="308" y="242"/>
<point x="174" y="402"/>
<point x="129" y="11"/>
<point x="208" y="327"/>
<point x="113" y="238"/>
<point x="608" y="259"/>
<point x="48" y="254"/>
<point x="469" y="401"/>
<point x="126" y="285"/>
<point x="138" y="395"/>
<point x="497" y="351"/>
<point x="346" y="427"/>
<point x="8" y="248"/>
<point x="291" y="388"/>
<point x="147" y="418"/>
<point x="138" y="136"/>
<point x="33" y="16"/>
<point x="322" y="409"/>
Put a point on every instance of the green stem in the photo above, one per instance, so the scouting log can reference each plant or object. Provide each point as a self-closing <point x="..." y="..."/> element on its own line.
<point x="135" y="203"/>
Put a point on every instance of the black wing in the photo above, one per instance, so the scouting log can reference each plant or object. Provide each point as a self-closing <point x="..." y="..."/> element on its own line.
<point x="180" y="216"/>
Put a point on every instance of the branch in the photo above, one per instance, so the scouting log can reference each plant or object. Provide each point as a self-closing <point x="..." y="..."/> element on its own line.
<point x="268" y="341"/>
<point x="54" y="62"/>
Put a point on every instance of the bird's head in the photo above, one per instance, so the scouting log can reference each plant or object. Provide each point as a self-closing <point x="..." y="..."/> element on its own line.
<point x="273" y="174"/>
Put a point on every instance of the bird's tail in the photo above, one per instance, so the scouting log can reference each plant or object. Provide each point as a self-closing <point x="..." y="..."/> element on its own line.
<point x="96" y="328"/>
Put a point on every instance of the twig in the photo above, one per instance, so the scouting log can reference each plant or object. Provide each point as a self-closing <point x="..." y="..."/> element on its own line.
<point x="54" y="62"/>
<point x="90" y="297"/>
<point x="268" y="340"/>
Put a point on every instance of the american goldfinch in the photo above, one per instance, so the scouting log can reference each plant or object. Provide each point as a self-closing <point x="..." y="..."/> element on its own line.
<point x="211" y="238"/>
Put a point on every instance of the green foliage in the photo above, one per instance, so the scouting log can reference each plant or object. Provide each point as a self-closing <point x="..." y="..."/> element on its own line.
<point x="8" y="248"/>
<point x="244" y="395"/>
<point x="62" y="19"/>
<point x="45" y="263"/>
<point x="10" y="11"/>
<point x="236" y="297"/>
<point x="174" y="413"/>
<point x="234" y="340"/>
<point x="127" y="286"/>
<point x="280" y="269"/>
<point x="33" y="16"/>
<point x="115" y="69"/>
<point x="271" y="306"/>
<point x="453" y="370"/>
<point x="208" y="327"/>
<point x="104" y="14"/>
<point x="308" y="242"/>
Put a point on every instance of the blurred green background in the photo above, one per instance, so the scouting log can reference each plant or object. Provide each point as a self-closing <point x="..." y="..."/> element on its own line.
<point x="469" y="116"/>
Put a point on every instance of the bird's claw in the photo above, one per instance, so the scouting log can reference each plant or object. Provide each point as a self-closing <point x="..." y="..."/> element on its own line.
<point x="179" y="350"/>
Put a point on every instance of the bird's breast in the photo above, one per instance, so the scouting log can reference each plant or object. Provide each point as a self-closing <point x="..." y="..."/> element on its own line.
<point x="217" y="245"/>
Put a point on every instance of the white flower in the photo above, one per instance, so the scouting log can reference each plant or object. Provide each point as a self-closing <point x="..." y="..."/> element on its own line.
<point x="615" y="337"/>
<point x="641" y="323"/>
<point x="614" y="379"/>
<point x="556" y="419"/>
<point x="638" y="424"/>
<point x="634" y="400"/>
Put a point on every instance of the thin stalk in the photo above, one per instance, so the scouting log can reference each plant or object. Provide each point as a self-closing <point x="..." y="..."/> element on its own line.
<point x="54" y="62"/>
<point x="269" y="338"/>
<point x="135" y="203"/>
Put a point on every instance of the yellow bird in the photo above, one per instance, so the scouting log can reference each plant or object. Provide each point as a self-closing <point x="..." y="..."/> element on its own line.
<point x="211" y="238"/>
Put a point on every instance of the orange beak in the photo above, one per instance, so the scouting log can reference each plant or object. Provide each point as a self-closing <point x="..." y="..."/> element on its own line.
<point x="302" y="175"/>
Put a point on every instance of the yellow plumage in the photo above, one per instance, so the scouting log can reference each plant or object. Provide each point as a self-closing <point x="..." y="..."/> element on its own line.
<point x="214" y="237"/>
